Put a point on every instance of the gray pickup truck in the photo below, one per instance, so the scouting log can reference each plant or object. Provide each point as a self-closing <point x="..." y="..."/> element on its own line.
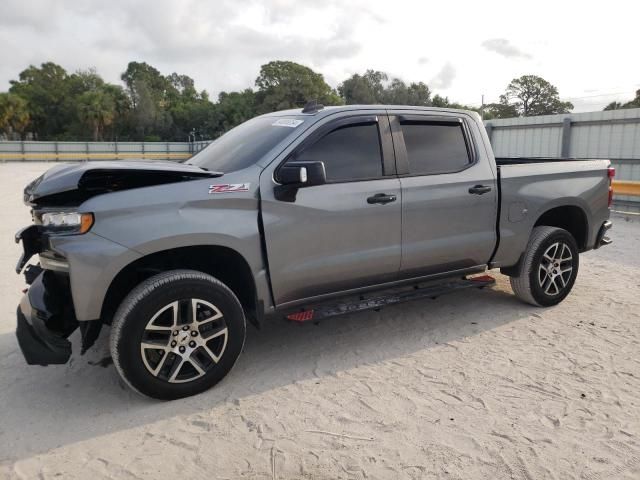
<point x="301" y="213"/>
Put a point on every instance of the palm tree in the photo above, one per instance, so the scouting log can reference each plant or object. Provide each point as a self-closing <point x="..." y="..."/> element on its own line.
<point x="97" y="110"/>
<point x="14" y="115"/>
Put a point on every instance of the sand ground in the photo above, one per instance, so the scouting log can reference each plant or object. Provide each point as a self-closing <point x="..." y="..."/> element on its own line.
<point x="471" y="385"/>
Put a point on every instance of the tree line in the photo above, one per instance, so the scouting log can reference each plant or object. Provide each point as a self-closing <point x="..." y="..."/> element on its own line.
<point x="48" y="103"/>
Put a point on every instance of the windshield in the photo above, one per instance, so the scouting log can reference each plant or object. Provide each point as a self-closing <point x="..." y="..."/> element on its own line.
<point x="245" y="144"/>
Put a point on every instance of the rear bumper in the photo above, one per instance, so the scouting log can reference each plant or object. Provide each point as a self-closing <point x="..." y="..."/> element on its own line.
<point x="602" y="239"/>
<point x="45" y="320"/>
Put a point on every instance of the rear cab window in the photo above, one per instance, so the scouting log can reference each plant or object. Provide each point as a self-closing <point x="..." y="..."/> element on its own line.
<point x="435" y="147"/>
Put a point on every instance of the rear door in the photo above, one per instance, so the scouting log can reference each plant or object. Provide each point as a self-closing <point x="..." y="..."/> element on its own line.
<point x="449" y="193"/>
<point x="335" y="237"/>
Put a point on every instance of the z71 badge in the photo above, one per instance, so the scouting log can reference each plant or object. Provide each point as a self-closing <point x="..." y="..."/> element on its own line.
<point x="229" y="188"/>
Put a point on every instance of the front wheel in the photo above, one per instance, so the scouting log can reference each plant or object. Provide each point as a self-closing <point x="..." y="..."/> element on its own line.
<point x="177" y="334"/>
<point x="548" y="269"/>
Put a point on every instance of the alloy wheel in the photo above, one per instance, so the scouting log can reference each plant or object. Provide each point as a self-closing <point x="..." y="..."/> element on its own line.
<point x="184" y="340"/>
<point x="555" y="269"/>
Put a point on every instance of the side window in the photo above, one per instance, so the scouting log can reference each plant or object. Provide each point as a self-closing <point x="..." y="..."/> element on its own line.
<point x="349" y="153"/>
<point x="435" y="148"/>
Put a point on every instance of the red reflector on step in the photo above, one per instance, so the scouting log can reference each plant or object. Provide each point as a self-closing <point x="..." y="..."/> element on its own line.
<point x="301" y="316"/>
<point x="482" y="278"/>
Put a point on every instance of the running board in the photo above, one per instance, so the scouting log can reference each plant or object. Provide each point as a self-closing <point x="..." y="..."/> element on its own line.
<point x="433" y="291"/>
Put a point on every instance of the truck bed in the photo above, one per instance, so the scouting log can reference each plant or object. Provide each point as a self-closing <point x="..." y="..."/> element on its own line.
<point x="531" y="186"/>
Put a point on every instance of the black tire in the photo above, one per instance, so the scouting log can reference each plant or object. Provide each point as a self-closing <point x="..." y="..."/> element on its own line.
<point x="542" y="282"/>
<point x="162" y="306"/>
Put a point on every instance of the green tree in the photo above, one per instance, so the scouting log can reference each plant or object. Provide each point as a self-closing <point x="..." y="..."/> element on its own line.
<point x="283" y="84"/>
<point x="189" y="109"/>
<point x="500" y="110"/>
<point x="45" y="90"/>
<point x="613" y="106"/>
<point x="144" y="115"/>
<point x="97" y="109"/>
<point x="142" y="76"/>
<point x="398" y="93"/>
<point x="635" y="103"/>
<point x="14" y="115"/>
<point x="366" y="89"/>
<point x="120" y="126"/>
<point x="531" y="95"/>
<point x="232" y="109"/>
<point x="373" y="88"/>
<point x="443" y="102"/>
<point x="419" y="94"/>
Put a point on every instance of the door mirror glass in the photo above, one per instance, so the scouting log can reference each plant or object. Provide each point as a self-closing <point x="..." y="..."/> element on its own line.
<point x="302" y="174"/>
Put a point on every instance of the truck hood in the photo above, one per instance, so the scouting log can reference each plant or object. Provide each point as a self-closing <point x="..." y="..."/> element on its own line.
<point x="72" y="184"/>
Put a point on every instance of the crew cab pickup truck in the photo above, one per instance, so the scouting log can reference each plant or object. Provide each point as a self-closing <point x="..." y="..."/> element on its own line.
<point x="294" y="213"/>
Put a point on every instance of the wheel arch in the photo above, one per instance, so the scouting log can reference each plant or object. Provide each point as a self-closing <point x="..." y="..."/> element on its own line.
<point x="571" y="218"/>
<point x="223" y="263"/>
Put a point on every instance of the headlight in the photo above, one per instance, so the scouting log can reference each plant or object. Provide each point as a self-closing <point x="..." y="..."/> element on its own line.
<point x="69" y="222"/>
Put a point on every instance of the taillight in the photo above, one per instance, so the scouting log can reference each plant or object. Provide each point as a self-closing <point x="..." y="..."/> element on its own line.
<point x="611" y="172"/>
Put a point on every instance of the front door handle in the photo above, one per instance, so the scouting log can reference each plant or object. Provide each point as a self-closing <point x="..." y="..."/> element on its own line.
<point x="381" y="198"/>
<point x="479" y="189"/>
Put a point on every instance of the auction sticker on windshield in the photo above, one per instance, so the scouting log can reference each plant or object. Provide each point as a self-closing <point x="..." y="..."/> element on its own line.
<point x="287" y="122"/>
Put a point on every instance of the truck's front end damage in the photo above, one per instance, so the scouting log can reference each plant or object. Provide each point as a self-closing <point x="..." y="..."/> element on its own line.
<point x="46" y="315"/>
<point x="67" y="286"/>
<point x="46" y="318"/>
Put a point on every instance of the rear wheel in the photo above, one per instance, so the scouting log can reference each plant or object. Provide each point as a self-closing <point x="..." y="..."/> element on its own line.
<point x="549" y="268"/>
<point x="177" y="334"/>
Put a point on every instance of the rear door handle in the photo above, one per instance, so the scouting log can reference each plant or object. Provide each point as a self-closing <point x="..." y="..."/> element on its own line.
<point x="381" y="198"/>
<point x="479" y="189"/>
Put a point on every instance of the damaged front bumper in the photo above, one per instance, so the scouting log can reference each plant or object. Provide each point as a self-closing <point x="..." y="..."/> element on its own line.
<point x="45" y="318"/>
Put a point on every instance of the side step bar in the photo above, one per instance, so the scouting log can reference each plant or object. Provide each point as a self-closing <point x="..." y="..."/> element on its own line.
<point x="326" y="310"/>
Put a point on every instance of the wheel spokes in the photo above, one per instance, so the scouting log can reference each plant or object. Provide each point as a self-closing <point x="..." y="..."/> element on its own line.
<point x="174" y="318"/>
<point x="155" y="346"/>
<point x="555" y="268"/>
<point x="178" y="363"/>
<point x="182" y="342"/>
<point x="200" y="317"/>
<point x="160" y="364"/>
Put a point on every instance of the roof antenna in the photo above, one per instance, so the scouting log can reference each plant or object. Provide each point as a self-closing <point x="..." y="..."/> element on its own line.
<point x="312" y="106"/>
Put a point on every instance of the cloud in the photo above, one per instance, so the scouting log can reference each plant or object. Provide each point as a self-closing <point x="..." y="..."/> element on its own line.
<point x="504" y="47"/>
<point x="444" y="78"/>
<point x="423" y="60"/>
<point x="220" y="44"/>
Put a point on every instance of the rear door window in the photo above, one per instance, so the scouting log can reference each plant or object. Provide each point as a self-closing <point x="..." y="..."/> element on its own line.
<point x="435" y="147"/>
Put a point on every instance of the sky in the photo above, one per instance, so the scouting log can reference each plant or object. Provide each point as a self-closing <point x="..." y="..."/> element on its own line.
<point x="461" y="49"/>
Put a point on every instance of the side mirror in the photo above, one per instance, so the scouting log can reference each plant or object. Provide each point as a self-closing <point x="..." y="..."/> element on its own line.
<point x="295" y="175"/>
<point x="302" y="174"/>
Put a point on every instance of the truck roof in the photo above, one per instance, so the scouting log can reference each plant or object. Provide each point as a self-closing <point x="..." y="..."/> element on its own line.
<point x="328" y="110"/>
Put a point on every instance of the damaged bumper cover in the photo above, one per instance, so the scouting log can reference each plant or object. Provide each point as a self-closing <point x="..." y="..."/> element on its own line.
<point x="46" y="318"/>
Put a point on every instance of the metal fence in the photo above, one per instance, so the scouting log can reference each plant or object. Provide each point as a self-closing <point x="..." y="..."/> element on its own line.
<point x="82" y="151"/>
<point x="613" y="135"/>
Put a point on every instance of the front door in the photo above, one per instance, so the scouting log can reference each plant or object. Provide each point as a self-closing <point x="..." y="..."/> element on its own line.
<point x="337" y="236"/>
